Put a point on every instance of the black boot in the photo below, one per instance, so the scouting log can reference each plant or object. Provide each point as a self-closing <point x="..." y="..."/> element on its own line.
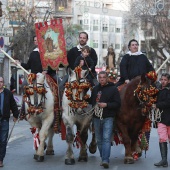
<point x="163" y="150"/>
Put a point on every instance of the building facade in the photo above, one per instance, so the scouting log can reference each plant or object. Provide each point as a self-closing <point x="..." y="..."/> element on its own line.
<point x="104" y="25"/>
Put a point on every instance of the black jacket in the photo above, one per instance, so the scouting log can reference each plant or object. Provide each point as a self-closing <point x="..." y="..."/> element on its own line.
<point x="74" y="53"/>
<point x="163" y="103"/>
<point x="88" y="62"/>
<point x="34" y="63"/>
<point x="134" y="65"/>
<point x="109" y="95"/>
<point x="9" y="104"/>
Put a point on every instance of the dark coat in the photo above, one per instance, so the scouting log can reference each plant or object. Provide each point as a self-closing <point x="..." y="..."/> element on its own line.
<point x="109" y="95"/>
<point x="74" y="53"/>
<point x="163" y="103"/>
<point x="34" y="63"/>
<point x="88" y="62"/>
<point x="9" y="104"/>
<point x="134" y="65"/>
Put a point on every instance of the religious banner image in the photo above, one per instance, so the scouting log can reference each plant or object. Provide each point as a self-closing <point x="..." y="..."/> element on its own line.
<point x="51" y="43"/>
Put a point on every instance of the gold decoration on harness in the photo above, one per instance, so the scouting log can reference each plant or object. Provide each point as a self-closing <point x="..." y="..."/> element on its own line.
<point x="147" y="96"/>
<point x="80" y="86"/>
<point x="33" y="89"/>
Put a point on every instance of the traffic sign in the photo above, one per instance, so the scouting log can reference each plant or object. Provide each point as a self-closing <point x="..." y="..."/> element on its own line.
<point x="6" y="32"/>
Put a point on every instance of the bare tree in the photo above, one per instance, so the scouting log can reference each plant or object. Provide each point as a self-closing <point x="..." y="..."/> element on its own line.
<point x="154" y="19"/>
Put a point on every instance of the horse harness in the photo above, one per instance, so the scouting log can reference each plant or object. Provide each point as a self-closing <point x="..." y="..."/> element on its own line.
<point x="34" y="89"/>
<point x="146" y="97"/>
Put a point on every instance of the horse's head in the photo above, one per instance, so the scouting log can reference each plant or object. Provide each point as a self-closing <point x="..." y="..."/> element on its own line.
<point x="35" y="93"/>
<point x="77" y="75"/>
<point x="146" y="91"/>
<point x="76" y="89"/>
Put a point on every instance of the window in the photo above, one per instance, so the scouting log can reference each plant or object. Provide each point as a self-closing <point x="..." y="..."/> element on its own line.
<point x="149" y="33"/>
<point x="117" y="46"/>
<point x="95" y="43"/>
<point x="143" y="46"/>
<point x="104" y="45"/>
<point x="143" y="25"/>
<point x="95" y="22"/>
<point x="105" y="27"/>
<point x="86" y="27"/>
<point x="117" y="30"/>
<point x="86" y="21"/>
<point x="95" y="28"/>
<point x="80" y="22"/>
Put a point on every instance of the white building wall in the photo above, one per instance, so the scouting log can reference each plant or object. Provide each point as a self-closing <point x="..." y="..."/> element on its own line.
<point x="109" y="18"/>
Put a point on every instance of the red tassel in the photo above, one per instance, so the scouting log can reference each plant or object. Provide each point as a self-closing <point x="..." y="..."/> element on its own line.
<point x="77" y="140"/>
<point x="36" y="141"/>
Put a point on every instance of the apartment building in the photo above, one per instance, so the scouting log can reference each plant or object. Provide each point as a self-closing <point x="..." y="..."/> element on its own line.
<point x="103" y="23"/>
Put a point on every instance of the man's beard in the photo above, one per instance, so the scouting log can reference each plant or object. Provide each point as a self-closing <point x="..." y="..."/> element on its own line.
<point x="82" y="43"/>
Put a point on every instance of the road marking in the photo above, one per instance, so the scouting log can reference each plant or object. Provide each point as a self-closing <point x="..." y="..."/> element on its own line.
<point x="13" y="138"/>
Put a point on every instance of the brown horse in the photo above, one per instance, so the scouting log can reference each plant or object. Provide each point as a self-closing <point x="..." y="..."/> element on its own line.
<point x="133" y="112"/>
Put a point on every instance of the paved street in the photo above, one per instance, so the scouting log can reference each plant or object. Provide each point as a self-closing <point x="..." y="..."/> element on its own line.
<point x="20" y="154"/>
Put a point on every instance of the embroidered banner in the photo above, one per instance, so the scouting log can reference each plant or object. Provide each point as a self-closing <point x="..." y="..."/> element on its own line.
<point x="51" y="43"/>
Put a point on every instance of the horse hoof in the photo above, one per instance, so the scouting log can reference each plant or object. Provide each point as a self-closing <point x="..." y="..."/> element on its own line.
<point x="39" y="158"/>
<point x="129" y="161"/>
<point x="82" y="159"/>
<point x="69" y="161"/>
<point x="51" y="152"/>
<point x="92" y="148"/>
<point x="139" y="154"/>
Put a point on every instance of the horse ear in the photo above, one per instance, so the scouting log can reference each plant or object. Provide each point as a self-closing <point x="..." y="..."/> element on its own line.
<point x="143" y="78"/>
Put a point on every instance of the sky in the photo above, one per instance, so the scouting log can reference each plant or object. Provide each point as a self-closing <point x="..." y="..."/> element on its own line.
<point x="120" y="4"/>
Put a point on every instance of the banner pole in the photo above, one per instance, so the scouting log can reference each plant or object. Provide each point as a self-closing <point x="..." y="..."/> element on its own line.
<point x="15" y="62"/>
<point x="163" y="64"/>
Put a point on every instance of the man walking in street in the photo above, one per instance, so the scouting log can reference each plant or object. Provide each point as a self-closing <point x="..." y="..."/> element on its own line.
<point x="106" y="98"/>
<point x="7" y="103"/>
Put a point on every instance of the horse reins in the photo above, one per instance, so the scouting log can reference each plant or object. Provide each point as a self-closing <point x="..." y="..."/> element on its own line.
<point x="89" y="68"/>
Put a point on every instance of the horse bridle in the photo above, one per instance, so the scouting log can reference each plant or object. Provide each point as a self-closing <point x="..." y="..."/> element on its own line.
<point x="142" y="103"/>
<point x="36" y="107"/>
<point x="79" y="81"/>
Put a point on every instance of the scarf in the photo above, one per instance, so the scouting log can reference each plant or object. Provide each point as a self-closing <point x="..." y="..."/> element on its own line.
<point x="136" y="53"/>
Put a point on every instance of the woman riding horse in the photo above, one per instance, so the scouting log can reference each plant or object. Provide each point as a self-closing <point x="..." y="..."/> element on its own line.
<point x="133" y="68"/>
<point x="133" y="64"/>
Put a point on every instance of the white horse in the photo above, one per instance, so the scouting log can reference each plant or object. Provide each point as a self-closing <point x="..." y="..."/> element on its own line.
<point x="76" y="111"/>
<point x="39" y="111"/>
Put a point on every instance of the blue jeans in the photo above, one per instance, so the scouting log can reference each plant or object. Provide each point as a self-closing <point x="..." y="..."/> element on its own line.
<point x="4" y="128"/>
<point x="104" y="131"/>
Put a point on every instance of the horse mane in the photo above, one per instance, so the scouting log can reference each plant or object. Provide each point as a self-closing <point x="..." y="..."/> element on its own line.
<point x="128" y="91"/>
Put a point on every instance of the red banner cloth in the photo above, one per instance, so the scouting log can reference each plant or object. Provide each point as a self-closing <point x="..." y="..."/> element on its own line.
<point x="51" y="43"/>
